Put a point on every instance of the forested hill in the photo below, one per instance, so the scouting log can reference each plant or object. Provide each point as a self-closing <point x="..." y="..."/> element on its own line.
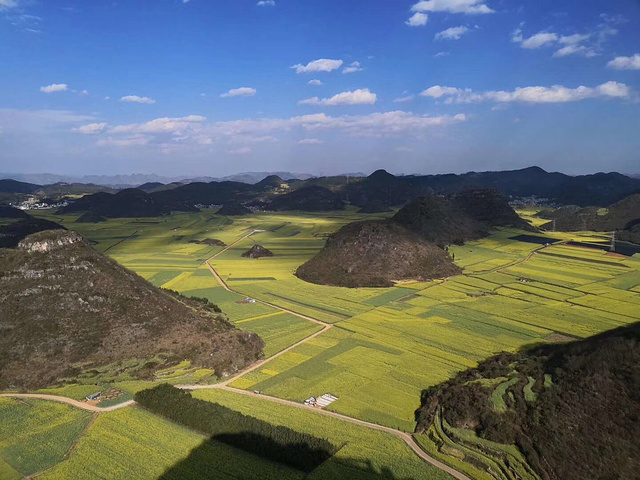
<point x="572" y="409"/>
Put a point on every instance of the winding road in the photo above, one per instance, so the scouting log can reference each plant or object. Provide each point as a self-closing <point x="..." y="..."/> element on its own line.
<point x="406" y="437"/>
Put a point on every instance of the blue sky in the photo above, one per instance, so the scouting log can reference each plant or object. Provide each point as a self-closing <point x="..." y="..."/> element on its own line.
<point x="214" y="87"/>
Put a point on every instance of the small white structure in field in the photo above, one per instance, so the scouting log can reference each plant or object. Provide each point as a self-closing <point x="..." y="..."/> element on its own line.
<point x="310" y="401"/>
<point x="325" y="400"/>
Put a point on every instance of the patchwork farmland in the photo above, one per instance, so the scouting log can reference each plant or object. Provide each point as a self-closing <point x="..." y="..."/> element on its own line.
<point x="386" y="344"/>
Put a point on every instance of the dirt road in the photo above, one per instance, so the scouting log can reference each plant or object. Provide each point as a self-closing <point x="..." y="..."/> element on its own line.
<point x="69" y="401"/>
<point x="407" y="438"/>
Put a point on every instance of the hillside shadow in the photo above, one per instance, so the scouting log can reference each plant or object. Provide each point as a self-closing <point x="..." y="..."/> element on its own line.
<point x="222" y="456"/>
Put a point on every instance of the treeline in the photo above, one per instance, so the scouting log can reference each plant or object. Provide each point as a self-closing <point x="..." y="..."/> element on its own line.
<point x="204" y="302"/>
<point x="276" y="443"/>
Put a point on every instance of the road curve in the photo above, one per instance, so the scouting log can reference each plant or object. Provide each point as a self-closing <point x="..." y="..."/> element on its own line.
<point x="69" y="401"/>
<point x="408" y="438"/>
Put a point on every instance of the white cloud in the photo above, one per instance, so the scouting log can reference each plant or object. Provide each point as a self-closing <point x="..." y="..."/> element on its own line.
<point x="573" y="39"/>
<point x="137" y="99"/>
<point x="320" y="65"/>
<point x="625" y="63"/>
<point x="418" y="19"/>
<point x="39" y="120"/>
<point x="538" y="40"/>
<point x="166" y="133"/>
<point x="92" y="128"/>
<point x="441" y="54"/>
<point x="240" y="151"/>
<point x="553" y="94"/>
<point x="310" y="141"/>
<point x="353" y="67"/>
<point x="177" y="126"/>
<point x="7" y="4"/>
<point x="585" y="45"/>
<point x="239" y="92"/>
<point x="404" y="99"/>
<point x="266" y="3"/>
<point x="83" y="93"/>
<point x="574" y="50"/>
<point x="315" y="82"/>
<point x="453" y="33"/>
<point x="358" y="97"/>
<point x="452" y="6"/>
<point x="437" y="91"/>
<point x="55" y="87"/>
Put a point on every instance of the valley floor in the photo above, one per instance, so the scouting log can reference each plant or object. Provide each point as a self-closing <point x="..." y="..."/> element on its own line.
<point x="374" y="349"/>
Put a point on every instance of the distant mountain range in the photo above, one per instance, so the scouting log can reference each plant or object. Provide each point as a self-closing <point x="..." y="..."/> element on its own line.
<point x="276" y="192"/>
<point x="135" y="179"/>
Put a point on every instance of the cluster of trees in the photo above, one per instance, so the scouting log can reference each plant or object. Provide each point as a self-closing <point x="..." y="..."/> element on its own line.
<point x="204" y="302"/>
<point x="276" y="443"/>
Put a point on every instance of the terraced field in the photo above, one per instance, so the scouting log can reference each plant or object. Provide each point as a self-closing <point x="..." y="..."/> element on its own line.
<point x="386" y="344"/>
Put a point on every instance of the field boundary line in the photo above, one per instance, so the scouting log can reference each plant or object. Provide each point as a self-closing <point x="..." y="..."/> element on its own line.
<point x="71" y="448"/>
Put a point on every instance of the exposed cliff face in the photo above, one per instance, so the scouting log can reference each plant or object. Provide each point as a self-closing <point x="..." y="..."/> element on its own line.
<point x="52" y="240"/>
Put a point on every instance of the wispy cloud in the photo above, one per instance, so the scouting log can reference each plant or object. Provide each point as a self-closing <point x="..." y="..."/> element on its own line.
<point x="353" y="67"/>
<point x="240" y="151"/>
<point x="315" y="82"/>
<point x="579" y="44"/>
<point x="266" y="3"/>
<point x="470" y="7"/>
<point x="55" y="87"/>
<point x="320" y="65"/>
<point x="92" y="128"/>
<point x="406" y="98"/>
<point x="453" y="33"/>
<point x="194" y="130"/>
<point x="124" y="142"/>
<point x="8" y="4"/>
<point x="357" y="97"/>
<point x="553" y="94"/>
<point x="239" y="92"/>
<point x="534" y="41"/>
<point x="137" y="99"/>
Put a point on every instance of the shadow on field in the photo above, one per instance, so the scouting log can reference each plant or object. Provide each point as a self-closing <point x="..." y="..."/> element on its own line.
<point x="215" y="458"/>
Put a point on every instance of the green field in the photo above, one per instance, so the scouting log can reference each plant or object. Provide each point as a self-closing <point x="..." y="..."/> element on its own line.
<point x="135" y="444"/>
<point x="387" y="344"/>
<point x="35" y="435"/>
